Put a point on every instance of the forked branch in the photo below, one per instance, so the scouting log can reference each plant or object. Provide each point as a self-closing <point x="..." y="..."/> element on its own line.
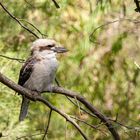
<point x="34" y="97"/>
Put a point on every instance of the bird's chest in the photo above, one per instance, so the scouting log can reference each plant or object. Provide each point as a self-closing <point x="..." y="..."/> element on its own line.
<point x="45" y="70"/>
<point x="46" y="67"/>
<point x="43" y="74"/>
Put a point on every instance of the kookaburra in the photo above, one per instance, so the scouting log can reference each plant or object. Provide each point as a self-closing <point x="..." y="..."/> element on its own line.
<point x="38" y="72"/>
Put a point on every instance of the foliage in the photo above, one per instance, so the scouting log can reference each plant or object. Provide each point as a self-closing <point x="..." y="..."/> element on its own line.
<point x="99" y="65"/>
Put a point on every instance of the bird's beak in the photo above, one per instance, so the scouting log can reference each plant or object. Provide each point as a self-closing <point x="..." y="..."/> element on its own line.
<point x="59" y="49"/>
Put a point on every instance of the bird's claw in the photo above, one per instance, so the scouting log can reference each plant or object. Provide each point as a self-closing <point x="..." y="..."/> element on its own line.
<point x="35" y="94"/>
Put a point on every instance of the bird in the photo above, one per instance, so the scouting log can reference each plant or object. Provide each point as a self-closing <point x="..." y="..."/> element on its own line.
<point x="39" y="70"/>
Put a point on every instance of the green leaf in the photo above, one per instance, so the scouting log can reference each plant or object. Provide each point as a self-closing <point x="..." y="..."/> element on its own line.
<point x="118" y="44"/>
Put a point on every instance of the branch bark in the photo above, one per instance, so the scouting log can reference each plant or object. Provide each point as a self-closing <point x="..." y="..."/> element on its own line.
<point x="56" y="4"/>
<point x="137" y="2"/>
<point x="39" y="98"/>
<point x="91" y="108"/>
<point x="34" y="97"/>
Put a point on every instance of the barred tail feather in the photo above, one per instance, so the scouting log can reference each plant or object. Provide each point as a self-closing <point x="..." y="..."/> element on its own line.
<point x="24" y="108"/>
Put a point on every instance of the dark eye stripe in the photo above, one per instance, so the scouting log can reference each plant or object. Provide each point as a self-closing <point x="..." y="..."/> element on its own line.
<point x="51" y="45"/>
<point x="42" y="48"/>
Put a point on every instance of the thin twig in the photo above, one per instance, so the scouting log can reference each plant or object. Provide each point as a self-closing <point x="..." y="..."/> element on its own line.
<point x="11" y="58"/>
<point x="29" y="136"/>
<point x="57" y="82"/>
<point x="92" y="126"/>
<point x="137" y="2"/>
<point x="137" y="65"/>
<point x="108" y="23"/>
<point x="66" y="130"/>
<point x="56" y="4"/>
<point x="78" y="105"/>
<point x="90" y="6"/>
<point x="29" y="4"/>
<point x="126" y="126"/>
<point x="81" y="108"/>
<point x="20" y="23"/>
<point x="33" y="27"/>
<point x="46" y="131"/>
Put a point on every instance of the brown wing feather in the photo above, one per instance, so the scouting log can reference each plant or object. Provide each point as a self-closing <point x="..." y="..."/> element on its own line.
<point x="26" y="71"/>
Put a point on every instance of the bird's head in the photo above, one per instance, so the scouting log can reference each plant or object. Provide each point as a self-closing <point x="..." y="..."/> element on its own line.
<point x="45" y="46"/>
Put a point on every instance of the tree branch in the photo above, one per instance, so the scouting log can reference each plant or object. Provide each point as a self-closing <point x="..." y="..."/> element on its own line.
<point x="11" y="58"/>
<point x="92" y="126"/>
<point x="34" y="97"/>
<point x="56" y="4"/>
<point x="91" y="108"/>
<point x="39" y="98"/>
<point x="90" y="114"/>
<point x="91" y="36"/>
<point x="29" y="136"/>
<point x="46" y="131"/>
<point x="33" y="27"/>
<point x="137" y="2"/>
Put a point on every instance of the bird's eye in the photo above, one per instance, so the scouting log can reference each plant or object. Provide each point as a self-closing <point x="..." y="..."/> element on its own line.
<point x="50" y="46"/>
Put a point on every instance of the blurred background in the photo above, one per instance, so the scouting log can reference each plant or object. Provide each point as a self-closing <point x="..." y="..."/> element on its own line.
<point x="103" y="38"/>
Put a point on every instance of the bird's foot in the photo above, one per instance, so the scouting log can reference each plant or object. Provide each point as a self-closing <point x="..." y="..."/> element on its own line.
<point x="35" y="94"/>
